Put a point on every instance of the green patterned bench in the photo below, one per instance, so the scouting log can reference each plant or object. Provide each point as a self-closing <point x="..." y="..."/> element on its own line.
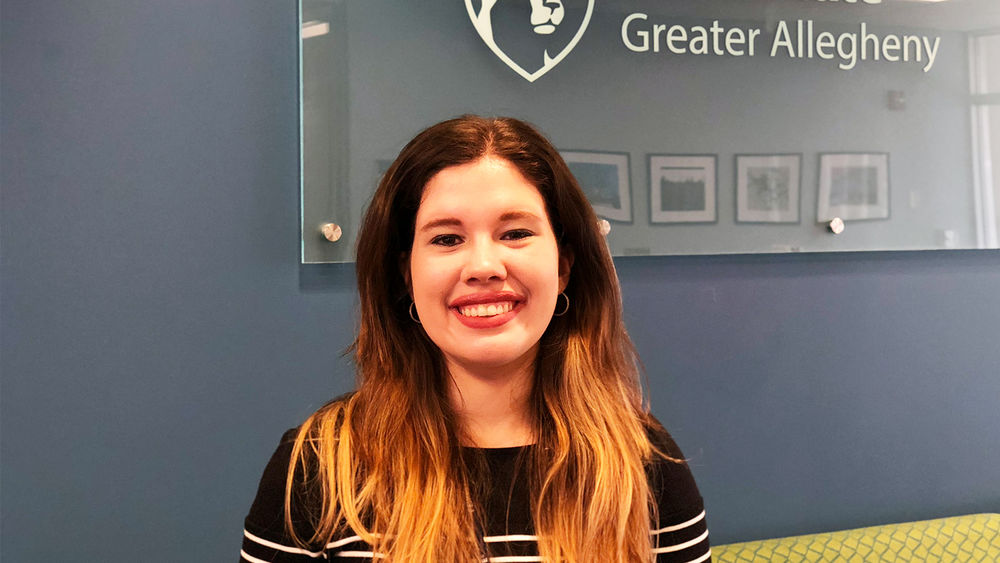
<point x="975" y="537"/>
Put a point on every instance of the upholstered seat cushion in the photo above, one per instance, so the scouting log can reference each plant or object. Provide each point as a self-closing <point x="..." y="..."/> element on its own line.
<point x="975" y="537"/>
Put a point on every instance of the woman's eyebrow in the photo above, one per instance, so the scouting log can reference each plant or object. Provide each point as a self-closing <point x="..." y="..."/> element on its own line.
<point x="455" y="222"/>
<point x="443" y="222"/>
<point x="516" y="215"/>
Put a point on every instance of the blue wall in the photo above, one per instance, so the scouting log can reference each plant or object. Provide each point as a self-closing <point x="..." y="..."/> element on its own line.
<point x="158" y="333"/>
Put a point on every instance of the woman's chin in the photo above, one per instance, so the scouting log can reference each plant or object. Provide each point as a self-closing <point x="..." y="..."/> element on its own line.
<point x="494" y="359"/>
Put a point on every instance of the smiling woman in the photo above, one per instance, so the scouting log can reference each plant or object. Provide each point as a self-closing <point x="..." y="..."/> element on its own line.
<point x="484" y="274"/>
<point x="499" y="415"/>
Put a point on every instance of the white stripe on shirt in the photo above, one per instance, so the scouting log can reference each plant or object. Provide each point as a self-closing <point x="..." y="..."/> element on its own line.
<point x="345" y="541"/>
<point x="250" y="558"/>
<point x="279" y="547"/>
<point x="681" y="525"/>
<point x="486" y="539"/>
<point x="515" y="537"/>
<point x="680" y="546"/>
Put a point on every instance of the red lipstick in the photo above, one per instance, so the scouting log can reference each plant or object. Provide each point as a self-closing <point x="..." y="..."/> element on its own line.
<point x="473" y="310"/>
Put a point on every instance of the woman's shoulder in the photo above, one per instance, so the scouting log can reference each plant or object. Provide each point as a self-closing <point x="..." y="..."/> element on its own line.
<point x="266" y="517"/>
<point x="266" y="536"/>
<point x="670" y="474"/>
<point x="681" y="532"/>
<point x="275" y="477"/>
<point x="661" y="439"/>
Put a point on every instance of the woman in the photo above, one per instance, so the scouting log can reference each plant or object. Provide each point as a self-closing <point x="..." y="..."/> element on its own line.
<point x="499" y="413"/>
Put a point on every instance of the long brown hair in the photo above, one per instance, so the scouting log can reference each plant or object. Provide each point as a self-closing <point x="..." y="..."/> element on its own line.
<point x="387" y="460"/>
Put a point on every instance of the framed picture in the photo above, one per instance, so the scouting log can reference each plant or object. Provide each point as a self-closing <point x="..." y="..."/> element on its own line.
<point x="768" y="188"/>
<point x="606" y="180"/>
<point x="853" y="186"/>
<point x="682" y="188"/>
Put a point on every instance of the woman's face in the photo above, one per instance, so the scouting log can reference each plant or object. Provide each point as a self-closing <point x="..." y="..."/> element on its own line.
<point x="484" y="269"/>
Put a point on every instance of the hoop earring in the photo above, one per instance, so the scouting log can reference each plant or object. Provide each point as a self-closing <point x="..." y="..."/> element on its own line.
<point x="566" y="308"/>
<point x="413" y="313"/>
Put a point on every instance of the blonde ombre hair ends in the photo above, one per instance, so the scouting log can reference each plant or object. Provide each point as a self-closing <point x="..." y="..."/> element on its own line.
<point x="386" y="462"/>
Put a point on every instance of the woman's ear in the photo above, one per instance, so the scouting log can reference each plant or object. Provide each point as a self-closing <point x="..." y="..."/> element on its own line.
<point x="565" y="265"/>
<point x="404" y="270"/>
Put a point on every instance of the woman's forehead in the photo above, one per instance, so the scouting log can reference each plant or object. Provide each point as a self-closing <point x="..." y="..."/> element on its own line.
<point x="488" y="184"/>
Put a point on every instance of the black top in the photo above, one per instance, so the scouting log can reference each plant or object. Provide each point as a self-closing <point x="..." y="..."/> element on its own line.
<point x="680" y="535"/>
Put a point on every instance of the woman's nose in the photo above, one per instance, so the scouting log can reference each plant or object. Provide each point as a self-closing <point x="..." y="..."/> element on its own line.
<point x="485" y="262"/>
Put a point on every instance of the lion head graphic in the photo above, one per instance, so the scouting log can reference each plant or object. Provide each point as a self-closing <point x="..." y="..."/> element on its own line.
<point x="530" y="36"/>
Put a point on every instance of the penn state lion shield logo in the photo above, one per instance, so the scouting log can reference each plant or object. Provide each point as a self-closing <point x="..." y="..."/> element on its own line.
<point x="530" y="36"/>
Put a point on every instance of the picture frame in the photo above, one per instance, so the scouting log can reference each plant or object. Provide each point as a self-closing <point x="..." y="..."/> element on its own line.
<point x="853" y="186"/>
<point x="768" y="188"/>
<point x="606" y="180"/>
<point x="683" y="188"/>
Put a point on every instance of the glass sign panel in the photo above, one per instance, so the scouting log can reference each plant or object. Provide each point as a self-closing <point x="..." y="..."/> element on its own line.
<point x="694" y="126"/>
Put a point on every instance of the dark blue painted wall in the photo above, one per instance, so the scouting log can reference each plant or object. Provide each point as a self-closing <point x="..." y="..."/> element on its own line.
<point x="158" y="333"/>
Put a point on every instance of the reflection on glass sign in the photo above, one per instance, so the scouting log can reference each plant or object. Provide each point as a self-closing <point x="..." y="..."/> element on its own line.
<point x="693" y="126"/>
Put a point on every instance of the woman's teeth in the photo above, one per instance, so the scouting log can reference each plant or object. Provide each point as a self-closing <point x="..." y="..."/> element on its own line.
<point x="486" y="310"/>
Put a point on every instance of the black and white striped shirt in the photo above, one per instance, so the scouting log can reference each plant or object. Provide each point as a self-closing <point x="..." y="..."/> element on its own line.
<point x="680" y="535"/>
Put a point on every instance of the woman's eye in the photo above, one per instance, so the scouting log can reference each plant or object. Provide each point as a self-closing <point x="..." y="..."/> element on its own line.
<point x="517" y="234"/>
<point x="446" y="240"/>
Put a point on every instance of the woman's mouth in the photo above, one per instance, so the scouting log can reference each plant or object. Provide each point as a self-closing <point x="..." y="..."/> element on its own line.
<point x="486" y="309"/>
